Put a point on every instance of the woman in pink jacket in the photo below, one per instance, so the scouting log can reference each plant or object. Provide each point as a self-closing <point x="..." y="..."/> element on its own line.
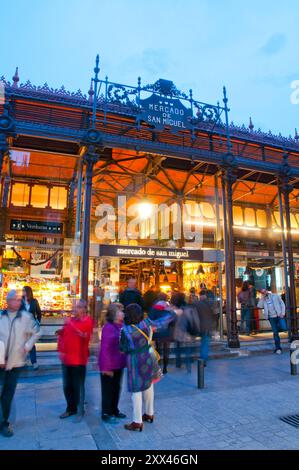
<point x="111" y="363"/>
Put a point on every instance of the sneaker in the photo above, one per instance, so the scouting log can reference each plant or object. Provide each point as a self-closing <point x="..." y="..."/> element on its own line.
<point x="109" y="419"/>
<point x="278" y="351"/>
<point x="7" y="431"/>
<point x="78" y="418"/>
<point x="120" y="415"/>
<point x="35" y="366"/>
<point x="67" y="414"/>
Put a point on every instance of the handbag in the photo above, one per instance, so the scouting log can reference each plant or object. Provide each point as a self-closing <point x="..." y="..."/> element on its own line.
<point x="150" y="342"/>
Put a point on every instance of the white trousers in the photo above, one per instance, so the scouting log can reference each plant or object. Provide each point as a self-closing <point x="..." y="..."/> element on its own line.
<point x="148" y="397"/>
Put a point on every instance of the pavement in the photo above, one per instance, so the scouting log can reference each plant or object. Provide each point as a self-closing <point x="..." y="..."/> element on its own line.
<point x="260" y="344"/>
<point x="239" y="408"/>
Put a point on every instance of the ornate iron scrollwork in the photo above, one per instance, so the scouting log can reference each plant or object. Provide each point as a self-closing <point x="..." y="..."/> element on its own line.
<point x="207" y="112"/>
<point x="121" y="94"/>
<point x="165" y="88"/>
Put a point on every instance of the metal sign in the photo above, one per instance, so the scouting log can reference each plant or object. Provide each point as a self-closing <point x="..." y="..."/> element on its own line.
<point x="36" y="226"/>
<point x="163" y="112"/>
<point x="146" y="252"/>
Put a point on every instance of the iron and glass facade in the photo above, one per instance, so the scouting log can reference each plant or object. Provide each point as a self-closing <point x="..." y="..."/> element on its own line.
<point x="66" y="159"/>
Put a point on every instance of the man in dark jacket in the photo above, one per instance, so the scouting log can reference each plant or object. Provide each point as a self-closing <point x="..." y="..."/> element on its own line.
<point x="206" y="314"/>
<point x="131" y="295"/>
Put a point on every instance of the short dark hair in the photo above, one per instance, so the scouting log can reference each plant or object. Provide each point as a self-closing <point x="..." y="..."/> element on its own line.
<point x="178" y="299"/>
<point x="162" y="296"/>
<point x="133" y="314"/>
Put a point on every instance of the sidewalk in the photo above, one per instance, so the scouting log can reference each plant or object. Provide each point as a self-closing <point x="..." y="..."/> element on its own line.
<point x="239" y="409"/>
<point x="49" y="362"/>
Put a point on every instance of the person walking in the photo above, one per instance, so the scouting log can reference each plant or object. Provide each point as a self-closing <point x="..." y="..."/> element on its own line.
<point x="164" y="336"/>
<point x="245" y="299"/>
<point x="111" y="363"/>
<point x="18" y="333"/>
<point x="274" y="311"/>
<point x="206" y="320"/>
<point x="73" y="347"/>
<point x="30" y="304"/>
<point x="193" y="297"/>
<point x="131" y="295"/>
<point x="142" y="364"/>
<point x="150" y="297"/>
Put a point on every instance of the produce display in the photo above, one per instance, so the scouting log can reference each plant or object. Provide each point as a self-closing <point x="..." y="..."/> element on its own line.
<point x="52" y="295"/>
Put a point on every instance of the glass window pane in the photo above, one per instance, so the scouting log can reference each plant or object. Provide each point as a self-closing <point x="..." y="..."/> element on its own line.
<point x="293" y="221"/>
<point x="20" y="194"/>
<point x="238" y="215"/>
<point x="39" y="196"/>
<point x="261" y="217"/>
<point x="276" y="216"/>
<point x="58" y="197"/>
<point x="207" y="210"/>
<point x="249" y="217"/>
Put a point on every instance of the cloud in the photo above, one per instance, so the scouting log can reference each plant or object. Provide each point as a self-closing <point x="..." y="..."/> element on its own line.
<point x="275" y="44"/>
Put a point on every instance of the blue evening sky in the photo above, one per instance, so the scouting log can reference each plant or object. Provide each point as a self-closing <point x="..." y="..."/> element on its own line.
<point x="250" y="46"/>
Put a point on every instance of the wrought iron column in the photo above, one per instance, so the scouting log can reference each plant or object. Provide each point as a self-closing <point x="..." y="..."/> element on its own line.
<point x="79" y="201"/>
<point x="218" y="243"/>
<point x="70" y="221"/>
<point x="89" y="159"/>
<point x="228" y="179"/>
<point x="286" y="189"/>
<point x="285" y="260"/>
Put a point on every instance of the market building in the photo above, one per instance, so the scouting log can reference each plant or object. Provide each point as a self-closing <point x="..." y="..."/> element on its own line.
<point x="143" y="181"/>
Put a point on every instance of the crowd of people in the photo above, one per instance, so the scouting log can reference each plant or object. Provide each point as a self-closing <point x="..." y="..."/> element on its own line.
<point x="136" y="336"/>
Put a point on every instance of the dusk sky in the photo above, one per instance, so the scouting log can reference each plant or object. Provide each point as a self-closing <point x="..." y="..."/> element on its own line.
<point x="251" y="47"/>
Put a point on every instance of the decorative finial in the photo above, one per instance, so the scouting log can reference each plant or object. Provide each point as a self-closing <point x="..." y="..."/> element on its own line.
<point x="15" y="78"/>
<point x="91" y="92"/>
<point x="97" y="69"/>
<point x="251" y="126"/>
<point x="296" y="136"/>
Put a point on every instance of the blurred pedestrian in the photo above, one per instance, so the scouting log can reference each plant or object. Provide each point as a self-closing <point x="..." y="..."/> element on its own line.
<point x="142" y="363"/>
<point x="274" y="311"/>
<point x="206" y="319"/>
<point x="73" y="347"/>
<point x="30" y="304"/>
<point x="177" y="303"/>
<point x="163" y="336"/>
<point x="150" y="297"/>
<point x="245" y="299"/>
<point x="18" y="333"/>
<point x="131" y="295"/>
<point x="111" y="363"/>
<point x="192" y="296"/>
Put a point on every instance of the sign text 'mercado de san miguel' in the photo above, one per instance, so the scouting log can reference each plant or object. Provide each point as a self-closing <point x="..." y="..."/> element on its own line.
<point x="160" y="112"/>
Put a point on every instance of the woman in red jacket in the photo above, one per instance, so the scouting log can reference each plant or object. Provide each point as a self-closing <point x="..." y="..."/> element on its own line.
<point x="73" y="347"/>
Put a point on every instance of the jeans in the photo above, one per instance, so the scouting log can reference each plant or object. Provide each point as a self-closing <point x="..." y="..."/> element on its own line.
<point x="110" y="392"/>
<point x="277" y="324"/>
<point x="246" y="316"/>
<point x="204" y="346"/>
<point x="163" y="346"/>
<point x="32" y="355"/>
<point x="73" y="386"/>
<point x="8" y="384"/>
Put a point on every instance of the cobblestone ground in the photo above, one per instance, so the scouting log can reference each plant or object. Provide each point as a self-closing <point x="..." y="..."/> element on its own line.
<point x="238" y="409"/>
